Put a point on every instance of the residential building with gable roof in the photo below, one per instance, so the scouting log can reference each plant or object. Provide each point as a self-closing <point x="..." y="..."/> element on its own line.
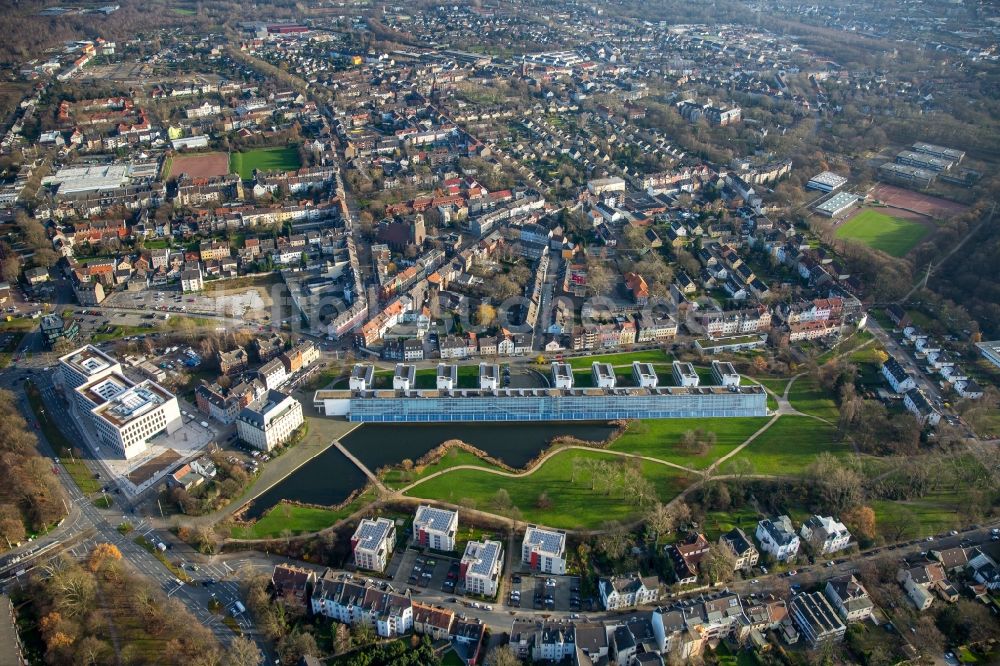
<point x="777" y="537"/>
<point x="849" y="598"/>
<point x="626" y="591"/>
<point x="742" y="548"/>
<point x="825" y="534"/>
<point x="354" y="601"/>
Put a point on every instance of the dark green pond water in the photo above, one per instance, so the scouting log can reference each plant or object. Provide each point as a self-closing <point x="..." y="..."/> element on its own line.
<point x="330" y="477"/>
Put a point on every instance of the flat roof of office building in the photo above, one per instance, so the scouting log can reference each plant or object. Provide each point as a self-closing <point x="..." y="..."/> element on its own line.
<point x="132" y="402"/>
<point x="88" y="361"/>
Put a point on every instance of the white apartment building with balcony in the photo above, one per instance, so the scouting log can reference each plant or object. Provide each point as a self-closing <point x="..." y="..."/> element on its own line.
<point x="480" y="567"/>
<point x="373" y="542"/>
<point x="544" y="550"/>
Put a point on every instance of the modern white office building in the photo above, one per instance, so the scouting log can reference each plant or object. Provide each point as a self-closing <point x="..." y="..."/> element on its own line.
<point x="725" y="374"/>
<point x="817" y="619"/>
<point x="404" y="378"/>
<point x="603" y="375"/>
<point x="684" y="374"/>
<point x="544" y="550"/>
<point x="362" y="377"/>
<point x="85" y="365"/>
<point x="489" y="376"/>
<point x="373" y="542"/>
<point x="644" y="375"/>
<point x="562" y="376"/>
<point x="543" y="404"/>
<point x="269" y="421"/>
<point x="480" y="567"/>
<point x="127" y="415"/>
<point x="447" y="377"/>
<point x="435" y="528"/>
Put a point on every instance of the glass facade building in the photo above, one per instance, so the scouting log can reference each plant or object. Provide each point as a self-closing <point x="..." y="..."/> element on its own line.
<point x="553" y="405"/>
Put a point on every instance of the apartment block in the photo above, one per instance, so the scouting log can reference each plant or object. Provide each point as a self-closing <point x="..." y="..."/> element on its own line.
<point x="435" y="528"/>
<point x="544" y="550"/>
<point x="373" y="542"/>
<point x="480" y="567"/>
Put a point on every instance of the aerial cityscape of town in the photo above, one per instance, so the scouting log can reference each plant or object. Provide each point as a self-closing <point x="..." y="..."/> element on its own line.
<point x="498" y="332"/>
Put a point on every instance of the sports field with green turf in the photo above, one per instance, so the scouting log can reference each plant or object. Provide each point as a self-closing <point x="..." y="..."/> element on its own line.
<point x="879" y="231"/>
<point x="285" y="158"/>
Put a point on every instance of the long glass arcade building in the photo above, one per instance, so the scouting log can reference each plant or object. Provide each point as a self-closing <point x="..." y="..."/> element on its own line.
<point x="542" y="404"/>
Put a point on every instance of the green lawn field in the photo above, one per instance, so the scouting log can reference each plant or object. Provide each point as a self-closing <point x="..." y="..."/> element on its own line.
<point x="298" y="519"/>
<point x="625" y="358"/>
<point x="919" y="518"/>
<point x="809" y="398"/>
<point x="571" y="505"/>
<point x="267" y="159"/>
<point x="396" y="478"/>
<point x="877" y="230"/>
<point x="660" y="438"/>
<point x="790" y="445"/>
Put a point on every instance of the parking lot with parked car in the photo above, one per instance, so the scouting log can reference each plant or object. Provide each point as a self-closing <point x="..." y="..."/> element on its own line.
<point x="549" y="593"/>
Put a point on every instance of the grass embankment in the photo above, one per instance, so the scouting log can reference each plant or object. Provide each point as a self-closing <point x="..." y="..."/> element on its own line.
<point x="76" y="468"/>
<point x="941" y="509"/>
<point x="808" y="397"/>
<point x="661" y="438"/>
<point x="298" y="519"/>
<point x="570" y="504"/>
<point x="789" y="446"/>
<point x="116" y="332"/>
<point x="397" y="478"/>
<point x="624" y="358"/>
<point x="717" y="523"/>
<point x="932" y="514"/>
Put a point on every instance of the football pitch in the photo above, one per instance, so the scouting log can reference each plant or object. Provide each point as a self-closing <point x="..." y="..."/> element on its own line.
<point x="285" y="158"/>
<point x="892" y="235"/>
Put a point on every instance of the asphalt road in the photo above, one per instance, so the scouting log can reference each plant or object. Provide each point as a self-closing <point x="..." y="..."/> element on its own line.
<point x="86" y="525"/>
<point x="905" y="358"/>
